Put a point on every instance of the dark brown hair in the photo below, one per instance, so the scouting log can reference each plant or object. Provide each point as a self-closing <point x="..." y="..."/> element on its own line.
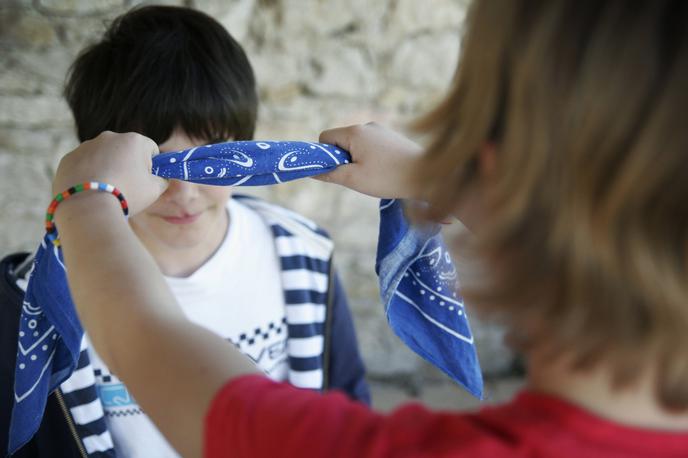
<point x="583" y="243"/>
<point x="158" y="68"/>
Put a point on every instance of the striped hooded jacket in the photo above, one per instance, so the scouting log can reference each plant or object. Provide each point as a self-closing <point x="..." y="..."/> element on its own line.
<point x="321" y="344"/>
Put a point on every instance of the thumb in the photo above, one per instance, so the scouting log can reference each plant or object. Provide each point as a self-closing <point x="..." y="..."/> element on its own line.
<point x="338" y="136"/>
<point x="342" y="175"/>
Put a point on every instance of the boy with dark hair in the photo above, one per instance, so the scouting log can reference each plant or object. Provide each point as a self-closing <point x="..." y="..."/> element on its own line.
<point x="178" y="77"/>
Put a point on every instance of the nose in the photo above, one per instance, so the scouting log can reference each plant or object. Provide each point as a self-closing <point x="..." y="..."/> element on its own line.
<point x="180" y="192"/>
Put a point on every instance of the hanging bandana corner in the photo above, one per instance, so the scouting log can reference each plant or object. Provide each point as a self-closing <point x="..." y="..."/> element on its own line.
<point x="418" y="284"/>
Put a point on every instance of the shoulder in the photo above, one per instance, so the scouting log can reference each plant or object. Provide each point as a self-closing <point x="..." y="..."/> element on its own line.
<point x="275" y="214"/>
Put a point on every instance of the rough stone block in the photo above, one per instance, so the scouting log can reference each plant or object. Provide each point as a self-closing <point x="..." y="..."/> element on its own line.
<point x="77" y="7"/>
<point x="235" y="15"/>
<point x="33" y="111"/>
<point x="24" y="195"/>
<point x="29" y="31"/>
<point x="426" y="62"/>
<point x="412" y="16"/>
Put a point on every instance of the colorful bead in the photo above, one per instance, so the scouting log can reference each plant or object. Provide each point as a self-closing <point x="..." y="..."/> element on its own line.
<point x="50" y="228"/>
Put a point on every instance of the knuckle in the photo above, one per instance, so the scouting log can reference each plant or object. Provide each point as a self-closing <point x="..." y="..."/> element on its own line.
<point x="357" y="128"/>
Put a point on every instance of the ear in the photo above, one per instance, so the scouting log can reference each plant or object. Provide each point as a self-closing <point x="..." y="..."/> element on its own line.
<point x="470" y="212"/>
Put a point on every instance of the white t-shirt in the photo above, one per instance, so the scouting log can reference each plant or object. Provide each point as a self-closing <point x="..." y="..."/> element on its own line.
<point x="237" y="294"/>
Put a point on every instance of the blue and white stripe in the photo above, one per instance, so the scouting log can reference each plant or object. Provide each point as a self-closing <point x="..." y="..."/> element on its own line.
<point x="305" y="254"/>
<point x="81" y="397"/>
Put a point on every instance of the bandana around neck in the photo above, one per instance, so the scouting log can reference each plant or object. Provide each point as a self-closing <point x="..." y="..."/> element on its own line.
<point x="416" y="277"/>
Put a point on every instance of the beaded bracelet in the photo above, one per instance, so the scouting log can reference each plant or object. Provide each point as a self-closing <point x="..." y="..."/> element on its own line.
<point x="50" y="228"/>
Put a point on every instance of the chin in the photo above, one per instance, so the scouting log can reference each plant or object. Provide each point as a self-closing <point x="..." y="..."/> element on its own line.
<point x="181" y="236"/>
<point x="184" y="242"/>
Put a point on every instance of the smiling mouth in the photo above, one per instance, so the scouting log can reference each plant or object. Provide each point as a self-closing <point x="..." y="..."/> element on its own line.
<point x="184" y="219"/>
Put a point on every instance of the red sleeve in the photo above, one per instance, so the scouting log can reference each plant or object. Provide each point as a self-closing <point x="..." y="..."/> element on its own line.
<point x="255" y="417"/>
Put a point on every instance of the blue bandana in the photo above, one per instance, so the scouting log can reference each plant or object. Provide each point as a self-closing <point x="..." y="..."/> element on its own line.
<point x="418" y="284"/>
<point x="417" y="278"/>
<point x="249" y="163"/>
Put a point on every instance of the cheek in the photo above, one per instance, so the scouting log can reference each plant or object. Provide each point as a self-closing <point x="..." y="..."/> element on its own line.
<point x="217" y="195"/>
<point x="156" y="207"/>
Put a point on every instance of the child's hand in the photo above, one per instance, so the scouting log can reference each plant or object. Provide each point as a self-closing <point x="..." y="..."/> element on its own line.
<point x="382" y="161"/>
<point x="122" y="160"/>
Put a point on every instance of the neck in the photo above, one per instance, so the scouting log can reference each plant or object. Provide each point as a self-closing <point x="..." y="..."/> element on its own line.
<point x="593" y="390"/>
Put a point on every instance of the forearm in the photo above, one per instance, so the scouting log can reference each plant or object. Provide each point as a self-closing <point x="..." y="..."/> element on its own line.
<point x="136" y="324"/>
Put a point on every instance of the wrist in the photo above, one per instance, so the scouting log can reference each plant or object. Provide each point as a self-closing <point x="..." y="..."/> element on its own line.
<point x="83" y="207"/>
<point x="409" y="181"/>
<point x="87" y="205"/>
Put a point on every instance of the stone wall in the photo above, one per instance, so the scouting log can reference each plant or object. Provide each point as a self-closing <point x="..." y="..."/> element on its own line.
<point x="319" y="63"/>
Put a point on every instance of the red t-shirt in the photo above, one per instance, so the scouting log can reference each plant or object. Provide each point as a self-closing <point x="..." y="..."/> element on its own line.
<point x="255" y="417"/>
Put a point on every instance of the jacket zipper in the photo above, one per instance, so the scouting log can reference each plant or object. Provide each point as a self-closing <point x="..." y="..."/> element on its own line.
<point x="70" y="423"/>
